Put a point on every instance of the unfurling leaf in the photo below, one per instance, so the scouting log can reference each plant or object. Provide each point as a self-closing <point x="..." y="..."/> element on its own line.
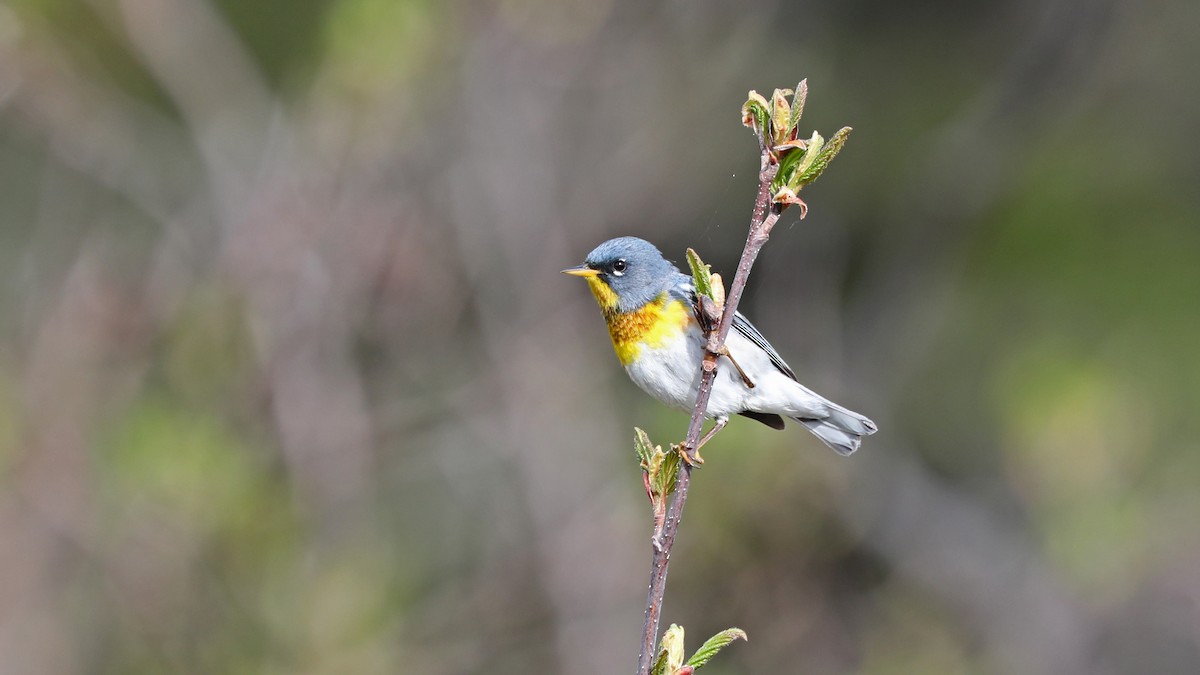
<point x="792" y="157"/>
<point x="809" y="171"/>
<point x="710" y="291"/>
<point x="672" y="649"/>
<point x="701" y="274"/>
<point x="718" y="291"/>
<point x="781" y="116"/>
<point x="797" y="108"/>
<point x="715" y="644"/>
<point x="810" y="155"/>
<point x="668" y="471"/>
<point x="756" y="114"/>
<point x="644" y="448"/>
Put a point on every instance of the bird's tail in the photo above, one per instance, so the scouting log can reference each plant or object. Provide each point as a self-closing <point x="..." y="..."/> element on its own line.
<point x="842" y="430"/>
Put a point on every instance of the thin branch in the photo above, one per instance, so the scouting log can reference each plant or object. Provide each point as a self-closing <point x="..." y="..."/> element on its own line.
<point x="763" y="219"/>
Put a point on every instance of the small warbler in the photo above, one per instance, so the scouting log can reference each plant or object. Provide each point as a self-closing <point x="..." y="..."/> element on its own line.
<point x="652" y="314"/>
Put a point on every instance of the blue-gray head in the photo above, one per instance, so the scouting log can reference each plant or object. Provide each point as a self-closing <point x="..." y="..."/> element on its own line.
<point x="626" y="273"/>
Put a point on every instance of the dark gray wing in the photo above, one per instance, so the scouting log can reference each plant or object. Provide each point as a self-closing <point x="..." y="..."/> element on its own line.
<point x="747" y="329"/>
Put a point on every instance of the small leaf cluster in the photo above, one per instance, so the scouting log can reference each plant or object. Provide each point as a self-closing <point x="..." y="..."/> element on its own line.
<point x="800" y="161"/>
<point x="660" y="472"/>
<point x="661" y="468"/>
<point x="670" y="653"/>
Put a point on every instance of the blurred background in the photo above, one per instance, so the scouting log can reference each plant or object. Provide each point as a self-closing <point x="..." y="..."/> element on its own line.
<point x="290" y="383"/>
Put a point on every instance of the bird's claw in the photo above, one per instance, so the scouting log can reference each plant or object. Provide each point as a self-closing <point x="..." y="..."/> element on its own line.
<point x="745" y="378"/>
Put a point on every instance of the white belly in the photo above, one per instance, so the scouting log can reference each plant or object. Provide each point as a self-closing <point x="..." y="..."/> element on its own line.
<point x="671" y="374"/>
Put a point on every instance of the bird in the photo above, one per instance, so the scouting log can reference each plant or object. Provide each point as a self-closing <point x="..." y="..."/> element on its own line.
<point x="653" y="317"/>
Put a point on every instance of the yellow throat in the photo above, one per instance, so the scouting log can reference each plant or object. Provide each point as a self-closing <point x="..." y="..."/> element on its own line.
<point x="651" y="325"/>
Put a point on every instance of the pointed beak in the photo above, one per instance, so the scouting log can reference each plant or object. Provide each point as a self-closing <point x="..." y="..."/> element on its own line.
<point x="581" y="271"/>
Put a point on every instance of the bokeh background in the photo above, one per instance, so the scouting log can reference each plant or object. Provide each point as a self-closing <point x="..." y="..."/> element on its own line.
<point x="290" y="383"/>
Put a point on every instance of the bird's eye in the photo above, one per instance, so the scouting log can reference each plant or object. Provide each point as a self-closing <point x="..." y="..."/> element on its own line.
<point x="618" y="268"/>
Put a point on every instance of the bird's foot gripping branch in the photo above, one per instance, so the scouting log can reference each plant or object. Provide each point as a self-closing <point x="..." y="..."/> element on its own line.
<point x="787" y="163"/>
